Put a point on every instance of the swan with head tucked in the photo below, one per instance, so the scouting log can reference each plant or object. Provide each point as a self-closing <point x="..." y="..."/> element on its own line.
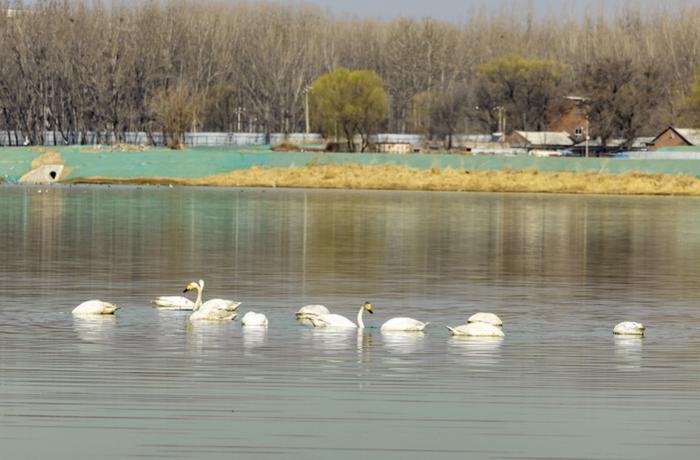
<point x="211" y="310"/>
<point x="477" y="329"/>
<point x="330" y="320"/>
<point x="487" y="318"/>
<point x="175" y="302"/>
<point x="254" y="319"/>
<point x="403" y="324"/>
<point x="629" y="328"/>
<point x="302" y="315"/>
<point x="95" y="307"/>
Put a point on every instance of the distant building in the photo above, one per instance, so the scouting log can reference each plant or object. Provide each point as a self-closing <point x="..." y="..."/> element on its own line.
<point x="569" y="114"/>
<point x="470" y="143"/>
<point x="13" y="12"/>
<point x="676" y="137"/>
<point x="613" y="146"/>
<point x="394" y="147"/>
<point x="540" y="140"/>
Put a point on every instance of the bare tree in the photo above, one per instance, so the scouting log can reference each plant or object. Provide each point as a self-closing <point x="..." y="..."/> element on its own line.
<point x="82" y="68"/>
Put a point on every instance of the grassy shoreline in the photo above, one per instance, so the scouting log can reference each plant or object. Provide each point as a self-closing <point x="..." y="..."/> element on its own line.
<point x="385" y="177"/>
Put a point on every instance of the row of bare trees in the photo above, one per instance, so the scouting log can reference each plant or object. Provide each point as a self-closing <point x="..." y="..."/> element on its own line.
<point x="78" y="66"/>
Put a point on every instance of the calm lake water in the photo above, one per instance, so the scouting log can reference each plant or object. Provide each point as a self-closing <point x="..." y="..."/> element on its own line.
<point x="561" y="271"/>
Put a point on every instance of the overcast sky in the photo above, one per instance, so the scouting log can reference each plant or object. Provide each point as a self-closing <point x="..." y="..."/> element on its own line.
<point x="458" y="10"/>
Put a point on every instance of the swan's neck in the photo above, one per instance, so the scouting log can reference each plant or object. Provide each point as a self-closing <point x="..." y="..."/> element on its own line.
<point x="198" y="302"/>
<point x="360" y="324"/>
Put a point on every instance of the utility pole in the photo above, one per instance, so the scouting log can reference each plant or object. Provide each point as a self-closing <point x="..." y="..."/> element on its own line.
<point x="239" y="112"/>
<point x="503" y="112"/>
<point x="501" y="121"/>
<point x="306" y="108"/>
<point x="588" y="137"/>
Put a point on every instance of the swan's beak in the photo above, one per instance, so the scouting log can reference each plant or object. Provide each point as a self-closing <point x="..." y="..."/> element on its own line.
<point x="189" y="287"/>
<point x="368" y="307"/>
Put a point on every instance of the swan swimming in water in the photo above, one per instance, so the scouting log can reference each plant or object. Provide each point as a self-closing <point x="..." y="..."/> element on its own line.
<point x="95" y="307"/>
<point x="487" y="318"/>
<point x="331" y="320"/>
<point x="211" y="310"/>
<point x="403" y="324"/>
<point x="177" y="302"/>
<point x="629" y="328"/>
<point x="254" y="319"/>
<point x="477" y="330"/>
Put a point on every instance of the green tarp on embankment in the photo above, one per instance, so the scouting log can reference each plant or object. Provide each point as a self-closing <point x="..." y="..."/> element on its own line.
<point x="82" y="162"/>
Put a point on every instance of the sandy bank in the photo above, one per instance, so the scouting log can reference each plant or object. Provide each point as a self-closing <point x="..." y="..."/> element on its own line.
<point x="401" y="178"/>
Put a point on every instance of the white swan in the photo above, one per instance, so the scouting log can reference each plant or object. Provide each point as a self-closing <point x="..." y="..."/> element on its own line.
<point x="403" y="324"/>
<point x="95" y="307"/>
<point x="629" y="328"/>
<point x="311" y="310"/>
<point x="175" y="302"/>
<point x="331" y="320"/>
<point x="211" y="310"/>
<point x="254" y="319"/>
<point x="477" y="330"/>
<point x="178" y="302"/>
<point x="302" y="315"/>
<point x="488" y="318"/>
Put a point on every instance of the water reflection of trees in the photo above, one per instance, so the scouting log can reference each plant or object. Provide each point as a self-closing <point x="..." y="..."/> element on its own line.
<point x="350" y="243"/>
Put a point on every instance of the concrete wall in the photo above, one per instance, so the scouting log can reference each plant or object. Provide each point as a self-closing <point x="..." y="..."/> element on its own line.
<point x="191" y="139"/>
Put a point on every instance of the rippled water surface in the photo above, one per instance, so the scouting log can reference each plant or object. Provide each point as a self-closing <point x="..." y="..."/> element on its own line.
<point x="559" y="270"/>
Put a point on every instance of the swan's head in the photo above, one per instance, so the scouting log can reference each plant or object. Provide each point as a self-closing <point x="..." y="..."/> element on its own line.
<point x="192" y="286"/>
<point x="368" y="306"/>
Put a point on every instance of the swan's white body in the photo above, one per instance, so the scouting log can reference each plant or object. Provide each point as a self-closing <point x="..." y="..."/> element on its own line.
<point x="175" y="302"/>
<point x="488" y="318"/>
<point x="477" y="330"/>
<point x="95" y="307"/>
<point x="254" y="319"/>
<point x="629" y="328"/>
<point x="331" y="320"/>
<point x="403" y="324"/>
<point x="211" y="310"/>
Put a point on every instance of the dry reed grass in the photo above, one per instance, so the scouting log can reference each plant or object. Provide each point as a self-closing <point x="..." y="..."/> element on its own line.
<point x="285" y="146"/>
<point x="400" y="178"/>
<point x="47" y="157"/>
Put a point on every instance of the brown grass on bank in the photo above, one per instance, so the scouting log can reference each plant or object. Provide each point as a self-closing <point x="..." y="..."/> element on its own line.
<point x="115" y="148"/>
<point x="400" y="178"/>
<point x="47" y="157"/>
<point x="286" y="146"/>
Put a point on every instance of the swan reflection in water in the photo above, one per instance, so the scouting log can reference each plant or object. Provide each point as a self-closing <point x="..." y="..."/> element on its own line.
<point x="207" y="334"/>
<point x="628" y="352"/>
<point x="332" y="339"/>
<point x="98" y="329"/>
<point x="364" y="345"/>
<point x="481" y="351"/>
<point x="403" y="342"/>
<point x="254" y="337"/>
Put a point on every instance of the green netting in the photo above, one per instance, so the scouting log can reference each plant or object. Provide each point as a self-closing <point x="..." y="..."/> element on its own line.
<point x="682" y="148"/>
<point x="15" y="162"/>
<point x="88" y="162"/>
